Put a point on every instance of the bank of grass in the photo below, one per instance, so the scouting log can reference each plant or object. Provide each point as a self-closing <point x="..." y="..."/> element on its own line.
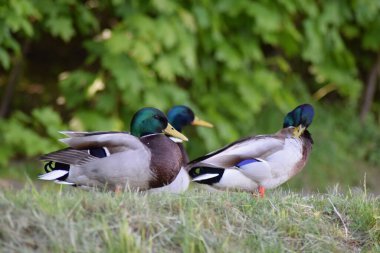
<point x="71" y="220"/>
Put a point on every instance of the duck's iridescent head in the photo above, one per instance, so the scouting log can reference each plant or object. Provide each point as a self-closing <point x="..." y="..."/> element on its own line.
<point x="180" y="116"/>
<point x="300" y="118"/>
<point x="150" y="120"/>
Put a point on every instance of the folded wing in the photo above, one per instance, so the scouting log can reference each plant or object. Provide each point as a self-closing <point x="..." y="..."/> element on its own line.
<point x="252" y="147"/>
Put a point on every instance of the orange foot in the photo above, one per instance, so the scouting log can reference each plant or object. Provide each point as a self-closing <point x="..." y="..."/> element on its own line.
<point x="261" y="191"/>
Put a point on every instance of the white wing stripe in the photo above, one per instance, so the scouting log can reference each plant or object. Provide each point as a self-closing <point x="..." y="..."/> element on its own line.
<point x="205" y="176"/>
<point x="53" y="175"/>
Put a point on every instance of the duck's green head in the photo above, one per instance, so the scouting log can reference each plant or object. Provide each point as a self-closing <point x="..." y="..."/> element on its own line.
<point x="150" y="120"/>
<point x="180" y="116"/>
<point x="300" y="118"/>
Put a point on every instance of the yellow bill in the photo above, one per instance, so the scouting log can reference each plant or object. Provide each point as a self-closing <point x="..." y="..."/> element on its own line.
<point x="298" y="131"/>
<point x="169" y="130"/>
<point x="198" y="122"/>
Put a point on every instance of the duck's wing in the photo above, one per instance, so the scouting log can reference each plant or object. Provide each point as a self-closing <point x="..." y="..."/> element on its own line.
<point x="259" y="146"/>
<point x="82" y="140"/>
<point x="95" y="158"/>
<point x="86" y="146"/>
<point x="82" y="134"/>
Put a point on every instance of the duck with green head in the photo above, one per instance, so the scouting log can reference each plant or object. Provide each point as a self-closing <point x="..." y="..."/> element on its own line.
<point x="143" y="160"/>
<point x="259" y="162"/>
<point x="180" y="116"/>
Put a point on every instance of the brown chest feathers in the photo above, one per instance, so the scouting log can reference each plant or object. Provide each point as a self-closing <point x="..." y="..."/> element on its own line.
<point x="185" y="157"/>
<point x="166" y="159"/>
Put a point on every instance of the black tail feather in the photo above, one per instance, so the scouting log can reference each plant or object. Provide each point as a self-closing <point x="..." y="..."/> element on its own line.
<point x="50" y="166"/>
<point x="202" y="170"/>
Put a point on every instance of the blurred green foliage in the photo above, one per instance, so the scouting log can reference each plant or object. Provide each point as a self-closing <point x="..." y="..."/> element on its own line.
<point x="239" y="64"/>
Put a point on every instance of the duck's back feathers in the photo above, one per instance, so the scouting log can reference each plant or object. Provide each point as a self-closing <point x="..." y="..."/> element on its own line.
<point x="123" y="141"/>
<point x="251" y="147"/>
<point x="89" y="146"/>
<point x="83" y="134"/>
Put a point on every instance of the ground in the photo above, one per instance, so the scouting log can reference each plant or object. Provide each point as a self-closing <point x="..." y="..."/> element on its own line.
<point x="67" y="219"/>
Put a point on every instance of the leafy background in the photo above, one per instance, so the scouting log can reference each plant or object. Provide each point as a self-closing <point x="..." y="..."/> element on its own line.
<point x="242" y="65"/>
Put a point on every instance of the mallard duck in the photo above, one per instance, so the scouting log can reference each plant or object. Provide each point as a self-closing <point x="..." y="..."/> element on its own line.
<point x="179" y="117"/>
<point x="143" y="159"/>
<point x="259" y="162"/>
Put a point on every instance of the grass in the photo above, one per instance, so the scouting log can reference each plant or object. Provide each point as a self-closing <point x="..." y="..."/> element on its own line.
<point x="72" y="220"/>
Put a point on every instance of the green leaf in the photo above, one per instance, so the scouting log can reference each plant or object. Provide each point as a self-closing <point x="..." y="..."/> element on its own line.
<point x="4" y="59"/>
<point x="119" y="42"/>
<point x="268" y="80"/>
<point x="188" y="20"/>
<point x="142" y="53"/>
<point x="61" y="27"/>
<point x="74" y="85"/>
<point x="95" y="121"/>
<point x="229" y="55"/>
<point x="267" y="19"/>
<point x="164" y="6"/>
<point x="371" y="38"/>
<point x="49" y="119"/>
<point x="202" y="17"/>
<point x="25" y="140"/>
<point x="122" y="69"/>
<point x="164" y="68"/>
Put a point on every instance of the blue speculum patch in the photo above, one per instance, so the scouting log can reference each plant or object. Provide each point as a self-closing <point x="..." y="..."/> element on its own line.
<point x="245" y="162"/>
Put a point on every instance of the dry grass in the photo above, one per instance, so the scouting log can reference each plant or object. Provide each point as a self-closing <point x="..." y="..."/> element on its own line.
<point x="71" y="220"/>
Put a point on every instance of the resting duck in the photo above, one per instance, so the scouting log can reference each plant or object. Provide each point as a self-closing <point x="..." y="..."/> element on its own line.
<point x="143" y="159"/>
<point x="179" y="117"/>
<point x="259" y="162"/>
